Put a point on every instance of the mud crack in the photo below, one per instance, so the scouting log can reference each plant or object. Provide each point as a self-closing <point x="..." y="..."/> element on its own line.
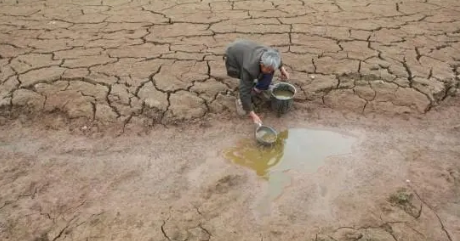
<point x="64" y="229"/>
<point x="115" y="44"/>
<point x="437" y="216"/>
<point x="163" y="225"/>
<point x="206" y="231"/>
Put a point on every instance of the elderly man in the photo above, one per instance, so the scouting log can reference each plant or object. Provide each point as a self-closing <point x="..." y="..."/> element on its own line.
<point x="254" y="65"/>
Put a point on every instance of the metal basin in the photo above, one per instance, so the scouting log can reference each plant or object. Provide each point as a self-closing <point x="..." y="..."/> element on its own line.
<point x="282" y="97"/>
<point x="265" y="135"/>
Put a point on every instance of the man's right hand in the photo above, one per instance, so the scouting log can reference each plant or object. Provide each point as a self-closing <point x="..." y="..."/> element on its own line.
<point x="255" y="118"/>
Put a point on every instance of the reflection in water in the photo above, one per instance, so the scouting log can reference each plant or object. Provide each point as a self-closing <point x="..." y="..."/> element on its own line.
<point x="259" y="158"/>
<point x="294" y="148"/>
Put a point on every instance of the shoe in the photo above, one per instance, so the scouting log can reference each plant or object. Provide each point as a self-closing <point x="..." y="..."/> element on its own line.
<point x="239" y="107"/>
<point x="266" y="94"/>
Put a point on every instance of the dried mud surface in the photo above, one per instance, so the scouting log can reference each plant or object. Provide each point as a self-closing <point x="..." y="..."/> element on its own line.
<point x="152" y="62"/>
<point x="91" y="92"/>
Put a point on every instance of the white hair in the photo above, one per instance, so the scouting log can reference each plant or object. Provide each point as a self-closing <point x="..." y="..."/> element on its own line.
<point x="271" y="58"/>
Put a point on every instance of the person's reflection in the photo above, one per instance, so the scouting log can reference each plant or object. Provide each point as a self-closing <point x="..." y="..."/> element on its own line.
<point x="247" y="153"/>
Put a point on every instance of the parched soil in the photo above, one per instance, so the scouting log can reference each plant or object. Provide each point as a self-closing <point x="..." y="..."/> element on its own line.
<point x="161" y="61"/>
<point x="114" y="115"/>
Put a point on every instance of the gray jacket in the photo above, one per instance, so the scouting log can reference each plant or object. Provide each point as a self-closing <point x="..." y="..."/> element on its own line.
<point x="243" y="62"/>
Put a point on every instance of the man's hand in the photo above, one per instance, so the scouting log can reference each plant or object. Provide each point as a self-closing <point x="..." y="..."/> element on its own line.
<point x="284" y="73"/>
<point x="255" y="118"/>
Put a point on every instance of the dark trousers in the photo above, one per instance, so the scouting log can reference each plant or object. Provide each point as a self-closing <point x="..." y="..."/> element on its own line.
<point x="264" y="82"/>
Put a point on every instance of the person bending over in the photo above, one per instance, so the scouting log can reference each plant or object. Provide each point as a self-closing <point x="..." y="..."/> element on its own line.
<point x="254" y="65"/>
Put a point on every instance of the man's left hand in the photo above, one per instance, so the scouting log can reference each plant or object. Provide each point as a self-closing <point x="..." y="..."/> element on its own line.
<point x="284" y="74"/>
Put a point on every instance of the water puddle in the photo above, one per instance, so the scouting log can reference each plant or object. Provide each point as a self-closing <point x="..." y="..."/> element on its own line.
<point x="300" y="149"/>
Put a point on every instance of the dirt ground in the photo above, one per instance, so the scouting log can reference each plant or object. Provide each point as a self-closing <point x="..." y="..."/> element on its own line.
<point x="114" y="116"/>
<point x="401" y="182"/>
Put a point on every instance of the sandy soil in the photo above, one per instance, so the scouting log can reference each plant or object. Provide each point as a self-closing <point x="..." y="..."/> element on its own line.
<point x="114" y="116"/>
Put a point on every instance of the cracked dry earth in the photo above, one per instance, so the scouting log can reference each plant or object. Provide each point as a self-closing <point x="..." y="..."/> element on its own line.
<point x="149" y="62"/>
<point x="391" y="68"/>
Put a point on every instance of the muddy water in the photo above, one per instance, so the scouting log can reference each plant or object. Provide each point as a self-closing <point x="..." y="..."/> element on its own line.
<point x="300" y="149"/>
<point x="266" y="136"/>
<point x="283" y="94"/>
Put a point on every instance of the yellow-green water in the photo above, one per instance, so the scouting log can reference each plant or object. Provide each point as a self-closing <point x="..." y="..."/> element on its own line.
<point x="283" y="94"/>
<point x="266" y="136"/>
<point x="302" y="149"/>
